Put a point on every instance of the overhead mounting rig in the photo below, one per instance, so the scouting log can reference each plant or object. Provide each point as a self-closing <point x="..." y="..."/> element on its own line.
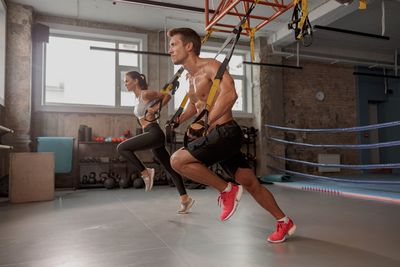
<point x="237" y="8"/>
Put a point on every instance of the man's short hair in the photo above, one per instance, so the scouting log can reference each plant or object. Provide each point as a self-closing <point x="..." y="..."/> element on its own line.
<point x="188" y="36"/>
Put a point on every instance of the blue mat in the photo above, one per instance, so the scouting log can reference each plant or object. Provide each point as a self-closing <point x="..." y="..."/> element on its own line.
<point x="62" y="148"/>
<point x="275" y="178"/>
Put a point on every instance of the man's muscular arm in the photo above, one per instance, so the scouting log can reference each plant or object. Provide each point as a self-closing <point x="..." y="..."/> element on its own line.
<point x="188" y="113"/>
<point x="151" y="95"/>
<point x="225" y="99"/>
<point x="190" y="110"/>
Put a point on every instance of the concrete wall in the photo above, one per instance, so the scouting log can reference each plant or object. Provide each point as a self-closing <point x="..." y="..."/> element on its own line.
<point x="18" y="92"/>
<point x="386" y="95"/>
<point x="269" y="109"/>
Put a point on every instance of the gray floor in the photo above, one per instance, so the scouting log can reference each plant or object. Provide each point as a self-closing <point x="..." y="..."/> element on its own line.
<point x="133" y="228"/>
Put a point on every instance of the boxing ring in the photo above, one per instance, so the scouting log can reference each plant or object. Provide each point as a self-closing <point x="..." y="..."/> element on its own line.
<point x="367" y="186"/>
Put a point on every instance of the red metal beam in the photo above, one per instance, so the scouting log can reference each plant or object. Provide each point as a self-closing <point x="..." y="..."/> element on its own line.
<point x="251" y="16"/>
<point x="277" y="14"/>
<point x="222" y="14"/>
<point x="229" y="7"/>
<point x="266" y="3"/>
<point x="220" y="6"/>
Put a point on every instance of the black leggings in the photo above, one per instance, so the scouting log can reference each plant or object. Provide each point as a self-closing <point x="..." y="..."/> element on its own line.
<point x="153" y="138"/>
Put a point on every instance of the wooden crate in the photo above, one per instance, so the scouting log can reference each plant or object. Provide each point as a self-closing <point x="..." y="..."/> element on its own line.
<point x="31" y="177"/>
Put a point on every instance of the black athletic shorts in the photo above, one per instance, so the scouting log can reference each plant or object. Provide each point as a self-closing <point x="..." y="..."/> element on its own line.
<point x="222" y="145"/>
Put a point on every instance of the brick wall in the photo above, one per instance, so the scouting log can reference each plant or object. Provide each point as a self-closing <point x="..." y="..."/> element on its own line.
<point x="303" y="110"/>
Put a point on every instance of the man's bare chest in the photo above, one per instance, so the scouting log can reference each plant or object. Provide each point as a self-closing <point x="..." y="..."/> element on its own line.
<point x="200" y="86"/>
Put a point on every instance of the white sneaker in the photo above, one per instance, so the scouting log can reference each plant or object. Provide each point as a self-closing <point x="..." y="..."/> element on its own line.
<point x="185" y="207"/>
<point x="149" y="180"/>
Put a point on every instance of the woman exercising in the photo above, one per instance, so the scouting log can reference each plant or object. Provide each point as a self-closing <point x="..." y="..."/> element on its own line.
<point x="152" y="137"/>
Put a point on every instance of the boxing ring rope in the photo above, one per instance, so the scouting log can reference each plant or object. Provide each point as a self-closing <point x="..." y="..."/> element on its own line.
<point x="339" y="146"/>
<point x="318" y="177"/>
<point x="360" y="146"/>
<point x="344" y="166"/>
<point x="338" y="130"/>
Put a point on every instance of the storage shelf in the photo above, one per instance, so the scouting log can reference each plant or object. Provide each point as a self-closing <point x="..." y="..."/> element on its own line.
<point x="89" y="161"/>
<point x="94" y="142"/>
<point x="3" y="131"/>
<point x="122" y="164"/>
<point x="91" y="186"/>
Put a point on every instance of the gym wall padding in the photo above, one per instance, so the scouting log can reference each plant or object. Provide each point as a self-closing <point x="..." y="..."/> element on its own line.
<point x="63" y="151"/>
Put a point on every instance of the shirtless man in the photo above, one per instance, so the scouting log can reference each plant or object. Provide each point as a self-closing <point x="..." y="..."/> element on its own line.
<point x="223" y="140"/>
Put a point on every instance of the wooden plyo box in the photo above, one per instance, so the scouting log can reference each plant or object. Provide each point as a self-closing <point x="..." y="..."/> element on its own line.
<point x="31" y="177"/>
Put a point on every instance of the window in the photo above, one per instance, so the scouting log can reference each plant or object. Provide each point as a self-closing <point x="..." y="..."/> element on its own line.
<point x="235" y="68"/>
<point x="77" y="74"/>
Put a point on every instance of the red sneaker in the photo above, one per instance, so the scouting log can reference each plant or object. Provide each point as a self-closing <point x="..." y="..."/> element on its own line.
<point x="229" y="201"/>
<point x="282" y="229"/>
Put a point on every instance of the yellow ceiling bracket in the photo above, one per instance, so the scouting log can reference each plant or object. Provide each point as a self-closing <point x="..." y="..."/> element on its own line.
<point x="205" y="39"/>
<point x="304" y="14"/>
<point x="363" y="4"/>
<point x="251" y="35"/>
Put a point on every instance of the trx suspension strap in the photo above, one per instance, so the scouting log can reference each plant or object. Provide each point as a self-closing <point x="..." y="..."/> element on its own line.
<point x="169" y="88"/>
<point x="300" y="22"/>
<point x="235" y="35"/>
<point x="362" y="4"/>
<point x="172" y="124"/>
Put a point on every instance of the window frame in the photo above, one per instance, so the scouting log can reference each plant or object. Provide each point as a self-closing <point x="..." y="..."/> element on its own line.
<point x="86" y="33"/>
<point x="247" y="84"/>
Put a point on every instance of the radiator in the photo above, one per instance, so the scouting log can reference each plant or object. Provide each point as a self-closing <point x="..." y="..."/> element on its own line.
<point x="328" y="159"/>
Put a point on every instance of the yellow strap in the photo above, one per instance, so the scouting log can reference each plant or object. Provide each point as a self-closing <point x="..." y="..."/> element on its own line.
<point x="304" y="14"/>
<point x="184" y="101"/>
<point x="212" y="93"/>
<point x="246" y="24"/>
<point x="251" y="34"/>
<point x="167" y="90"/>
<point x="216" y="82"/>
<point x="363" y="4"/>
<point x="205" y="39"/>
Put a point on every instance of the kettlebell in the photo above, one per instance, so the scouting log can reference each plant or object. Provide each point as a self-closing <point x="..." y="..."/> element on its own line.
<point x="109" y="183"/>
<point x="92" y="178"/>
<point x="138" y="183"/>
<point x="84" y="179"/>
<point x="125" y="182"/>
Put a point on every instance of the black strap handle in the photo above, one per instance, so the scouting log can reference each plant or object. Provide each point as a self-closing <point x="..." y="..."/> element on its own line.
<point x="168" y="88"/>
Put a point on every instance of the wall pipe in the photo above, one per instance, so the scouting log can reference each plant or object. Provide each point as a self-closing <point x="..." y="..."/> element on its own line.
<point x="338" y="60"/>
